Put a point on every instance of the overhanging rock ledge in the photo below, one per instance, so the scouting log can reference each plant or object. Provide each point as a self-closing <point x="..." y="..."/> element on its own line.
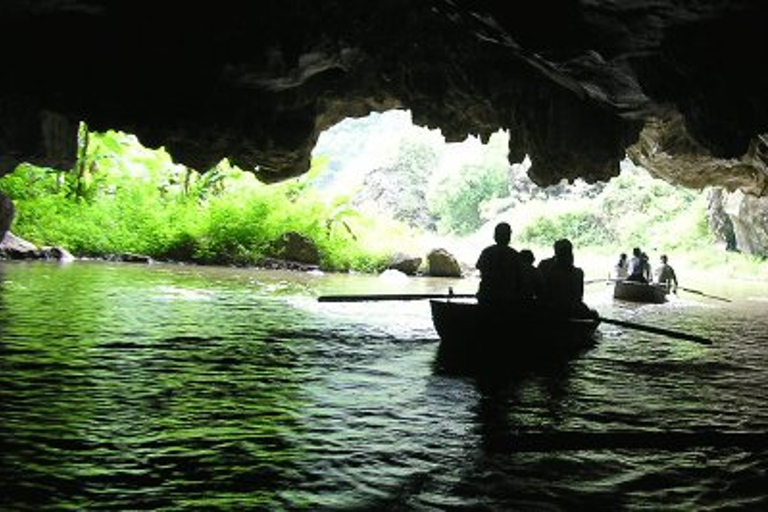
<point x="679" y="86"/>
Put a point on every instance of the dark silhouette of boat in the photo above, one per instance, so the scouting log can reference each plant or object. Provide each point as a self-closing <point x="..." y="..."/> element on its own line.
<point x="479" y="337"/>
<point x="634" y="291"/>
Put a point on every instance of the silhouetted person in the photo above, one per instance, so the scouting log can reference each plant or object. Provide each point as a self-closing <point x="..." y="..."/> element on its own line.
<point x="532" y="282"/>
<point x="646" y="262"/>
<point x="547" y="263"/>
<point x="563" y="281"/>
<point x="665" y="274"/>
<point x="500" y="269"/>
<point x="637" y="267"/>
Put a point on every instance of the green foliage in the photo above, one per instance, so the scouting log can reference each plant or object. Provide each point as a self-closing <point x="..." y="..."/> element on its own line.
<point x="29" y="182"/>
<point x="632" y="210"/>
<point x="456" y="194"/>
<point x="124" y="198"/>
<point x="583" y="227"/>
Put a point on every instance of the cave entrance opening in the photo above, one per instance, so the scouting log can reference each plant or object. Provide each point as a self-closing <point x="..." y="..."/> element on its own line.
<point x="454" y="193"/>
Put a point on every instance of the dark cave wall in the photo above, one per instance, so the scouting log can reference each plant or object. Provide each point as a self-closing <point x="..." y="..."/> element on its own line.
<point x="679" y="86"/>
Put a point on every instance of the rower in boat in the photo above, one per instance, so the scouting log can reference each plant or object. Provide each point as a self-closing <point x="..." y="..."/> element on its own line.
<point x="665" y="274"/>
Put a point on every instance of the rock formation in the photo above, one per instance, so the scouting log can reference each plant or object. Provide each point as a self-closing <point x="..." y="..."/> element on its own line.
<point x="740" y="221"/>
<point x="574" y="81"/>
<point x="441" y="263"/>
<point x="679" y="85"/>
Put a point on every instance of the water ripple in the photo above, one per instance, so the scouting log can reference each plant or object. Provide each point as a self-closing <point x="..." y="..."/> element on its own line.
<point x="175" y="388"/>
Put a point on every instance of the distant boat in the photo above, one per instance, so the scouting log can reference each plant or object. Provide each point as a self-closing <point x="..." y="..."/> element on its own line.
<point x="634" y="291"/>
<point x="483" y="338"/>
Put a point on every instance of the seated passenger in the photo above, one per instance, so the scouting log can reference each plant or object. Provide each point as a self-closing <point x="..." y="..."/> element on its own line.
<point x="563" y="281"/>
<point x="621" y="269"/>
<point x="532" y="285"/>
<point x="637" y="267"/>
<point x="500" y="269"/>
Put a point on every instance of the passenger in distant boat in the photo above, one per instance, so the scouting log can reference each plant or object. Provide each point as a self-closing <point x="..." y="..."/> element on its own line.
<point x="532" y="286"/>
<point x="638" y="269"/>
<point x="621" y="269"/>
<point x="665" y="274"/>
<point x="500" y="269"/>
<point x="563" y="281"/>
<point x="646" y="266"/>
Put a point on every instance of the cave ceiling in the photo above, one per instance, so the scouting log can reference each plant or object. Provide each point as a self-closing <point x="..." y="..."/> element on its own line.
<point x="681" y="87"/>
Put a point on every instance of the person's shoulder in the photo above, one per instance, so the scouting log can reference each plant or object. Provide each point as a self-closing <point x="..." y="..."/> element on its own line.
<point x="488" y="250"/>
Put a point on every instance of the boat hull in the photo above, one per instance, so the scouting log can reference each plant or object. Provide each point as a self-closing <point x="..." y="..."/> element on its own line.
<point x="474" y="336"/>
<point x="633" y="291"/>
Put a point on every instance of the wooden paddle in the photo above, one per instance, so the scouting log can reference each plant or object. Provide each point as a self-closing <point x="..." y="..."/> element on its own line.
<point x="657" y="330"/>
<point x="605" y="280"/>
<point x="697" y="292"/>
<point x="393" y="296"/>
<point x="423" y="296"/>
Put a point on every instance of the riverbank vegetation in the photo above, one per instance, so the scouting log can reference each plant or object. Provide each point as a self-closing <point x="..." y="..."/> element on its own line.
<point x="375" y="189"/>
<point x="124" y="198"/>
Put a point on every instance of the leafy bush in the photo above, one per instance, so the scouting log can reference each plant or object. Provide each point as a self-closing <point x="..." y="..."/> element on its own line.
<point x="582" y="227"/>
<point x="133" y="199"/>
<point x="456" y="195"/>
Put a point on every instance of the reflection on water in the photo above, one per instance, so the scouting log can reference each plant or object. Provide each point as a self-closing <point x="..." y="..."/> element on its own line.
<point x="187" y="388"/>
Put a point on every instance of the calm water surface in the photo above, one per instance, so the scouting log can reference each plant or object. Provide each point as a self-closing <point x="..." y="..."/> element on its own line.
<point x="165" y="387"/>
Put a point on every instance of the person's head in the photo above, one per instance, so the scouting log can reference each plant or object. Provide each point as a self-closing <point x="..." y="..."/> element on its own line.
<point x="664" y="258"/>
<point x="564" y="252"/>
<point x="527" y="257"/>
<point x="503" y="233"/>
<point x="622" y="257"/>
<point x="636" y="252"/>
<point x="563" y="246"/>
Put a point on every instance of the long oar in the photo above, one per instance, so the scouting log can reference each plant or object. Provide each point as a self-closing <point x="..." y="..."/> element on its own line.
<point x="605" y="280"/>
<point x="697" y="292"/>
<point x="657" y="330"/>
<point x="393" y="296"/>
<point x="423" y="296"/>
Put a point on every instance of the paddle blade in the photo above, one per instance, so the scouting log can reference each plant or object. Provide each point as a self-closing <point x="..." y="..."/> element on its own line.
<point x="658" y="330"/>
<point x="697" y="292"/>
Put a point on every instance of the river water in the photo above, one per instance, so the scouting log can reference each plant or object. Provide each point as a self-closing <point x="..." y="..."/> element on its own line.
<point x="162" y="387"/>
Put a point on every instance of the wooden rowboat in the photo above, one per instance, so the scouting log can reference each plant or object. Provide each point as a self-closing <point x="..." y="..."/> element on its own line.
<point x="482" y="337"/>
<point x="633" y="291"/>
